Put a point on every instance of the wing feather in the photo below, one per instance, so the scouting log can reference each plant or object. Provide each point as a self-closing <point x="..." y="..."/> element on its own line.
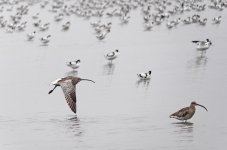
<point x="69" y="91"/>
<point x="181" y="113"/>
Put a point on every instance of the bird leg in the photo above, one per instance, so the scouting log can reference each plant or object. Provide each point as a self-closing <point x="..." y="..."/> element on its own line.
<point x="52" y="89"/>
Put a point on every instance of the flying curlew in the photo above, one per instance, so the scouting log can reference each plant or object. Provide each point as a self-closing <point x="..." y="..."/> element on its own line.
<point x="68" y="85"/>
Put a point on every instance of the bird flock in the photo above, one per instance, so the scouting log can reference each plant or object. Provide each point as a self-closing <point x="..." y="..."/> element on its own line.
<point x="153" y="12"/>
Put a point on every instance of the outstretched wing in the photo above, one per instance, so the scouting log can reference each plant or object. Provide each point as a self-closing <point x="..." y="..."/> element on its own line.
<point x="70" y="93"/>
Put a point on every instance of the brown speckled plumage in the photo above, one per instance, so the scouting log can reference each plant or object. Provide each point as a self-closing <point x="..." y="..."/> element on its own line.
<point x="68" y="85"/>
<point x="186" y="113"/>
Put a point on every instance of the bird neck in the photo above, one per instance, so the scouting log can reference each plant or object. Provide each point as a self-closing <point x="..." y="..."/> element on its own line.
<point x="192" y="107"/>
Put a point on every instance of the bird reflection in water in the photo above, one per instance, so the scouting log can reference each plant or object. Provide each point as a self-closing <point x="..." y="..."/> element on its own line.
<point x="184" y="130"/>
<point x="72" y="73"/>
<point x="73" y="125"/>
<point x="143" y="82"/>
<point x="108" y="69"/>
<point x="201" y="60"/>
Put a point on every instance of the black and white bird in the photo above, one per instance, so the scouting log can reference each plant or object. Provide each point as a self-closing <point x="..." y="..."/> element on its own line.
<point x="112" y="55"/>
<point x="148" y="25"/>
<point x="45" y="39"/>
<point x="203" y="45"/>
<point x="68" y="85"/>
<point x="145" y="75"/>
<point x="217" y="20"/>
<point x="31" y="36"/>
<point x="37" y="23"/>
<point x="74" y="64"/>
<point x="59" y="17"/>
<point x="202" y="21"/>
<point x="44" y="27"/>
<point x="66" y="25"/>
<point x="103" y="34"/>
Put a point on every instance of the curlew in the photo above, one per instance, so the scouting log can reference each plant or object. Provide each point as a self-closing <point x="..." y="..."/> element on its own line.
<point x="68" y="85"/>
<point x="186" y="113"/>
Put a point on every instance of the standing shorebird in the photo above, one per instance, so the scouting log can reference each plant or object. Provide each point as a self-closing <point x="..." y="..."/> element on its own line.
<point x="146" y="75"/>
<point x="217" y="20"/>
<point x="187" y="112"/>
<point x="74" y="64"/>
<point x="103" y="34"/>
<point x="112" y="55"/>
<point x="203" y="45"/>
<point x="68" y="85"/>
<point x="66" y="25"/>
<point x="45" y="39"/>
<point x="31" y="36"/>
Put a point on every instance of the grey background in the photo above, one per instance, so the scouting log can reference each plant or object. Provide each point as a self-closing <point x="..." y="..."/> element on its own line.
<point x="118" y="111"/>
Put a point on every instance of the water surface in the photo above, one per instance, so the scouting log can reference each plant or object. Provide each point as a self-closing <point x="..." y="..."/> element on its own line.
<point x="119" y="111"/>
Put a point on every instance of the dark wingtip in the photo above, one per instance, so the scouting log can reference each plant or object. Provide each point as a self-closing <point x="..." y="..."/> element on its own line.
<point x="50" y="91"/>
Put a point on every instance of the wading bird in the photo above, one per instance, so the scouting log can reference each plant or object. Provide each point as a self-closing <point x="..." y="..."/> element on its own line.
<point x="112" y="55"/>
<point x="203" y="45"/>
<point x="31" y="36"/>
<point x="74" y="64"/>
<point x="146" y="75"/>
<point x="186" y="113"/>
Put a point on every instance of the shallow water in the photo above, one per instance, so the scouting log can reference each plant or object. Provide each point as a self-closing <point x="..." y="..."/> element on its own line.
<point x="118" y="111"/>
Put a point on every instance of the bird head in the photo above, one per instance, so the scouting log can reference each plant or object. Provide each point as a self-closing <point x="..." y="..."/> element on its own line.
<point x="208" y="40"/>
<point x="194" y="104"/>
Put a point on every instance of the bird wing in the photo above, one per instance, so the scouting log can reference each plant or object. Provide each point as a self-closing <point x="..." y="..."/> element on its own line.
<point x="111" y="54"/>
<point x="142" y="75"/>
<point x="181" y="113"/>
<point x="202" y="43"/>
<point x="195" y="41"/>
<point x="70" y="93"/>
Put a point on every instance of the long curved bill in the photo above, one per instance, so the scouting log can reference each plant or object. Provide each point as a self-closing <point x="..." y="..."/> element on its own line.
<point x="88" y="80"/>
<point x="202" y="106"/>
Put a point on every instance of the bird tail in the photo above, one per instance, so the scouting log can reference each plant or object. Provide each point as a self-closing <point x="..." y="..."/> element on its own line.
<point x="173" y="115"/>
